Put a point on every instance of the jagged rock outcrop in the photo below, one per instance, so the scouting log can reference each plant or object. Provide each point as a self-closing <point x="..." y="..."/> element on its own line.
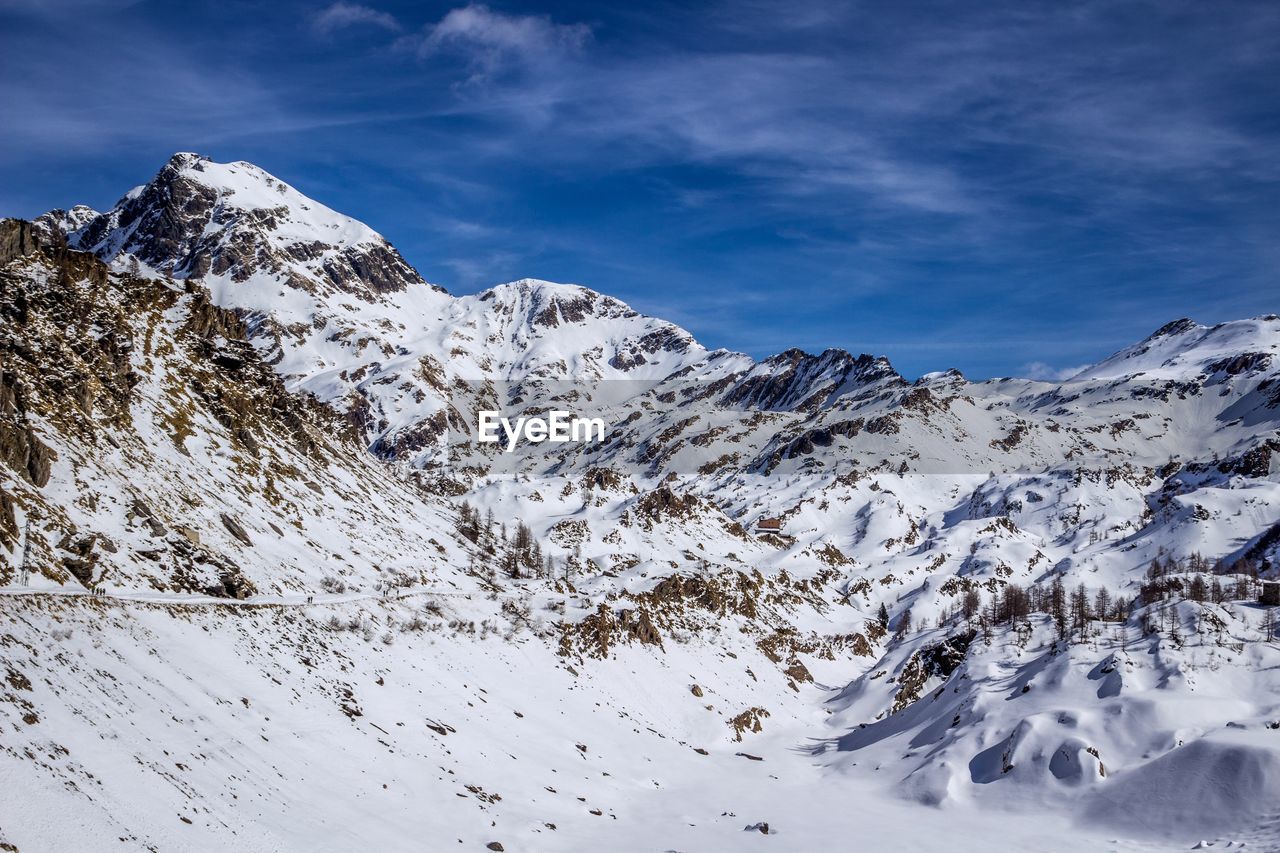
<point x="197" y="218"/>
<point x="115" y="377"/>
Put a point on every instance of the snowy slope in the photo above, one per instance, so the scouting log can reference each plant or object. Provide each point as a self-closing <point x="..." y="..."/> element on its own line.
<point x="347" y="320"/>
<point x="1185" y="349"/>
<point x="232" y="351"/>
<point x="161" y="455"/>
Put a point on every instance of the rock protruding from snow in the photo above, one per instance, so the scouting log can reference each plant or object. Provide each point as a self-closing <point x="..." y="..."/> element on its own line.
<point x="1184" y="349"/>
<point x="343" y="317"/>
<point x="198" y="218"/>
<point x="531" y="328"/>
<point x="796" y="380"/>
<point x="65" y="222"/>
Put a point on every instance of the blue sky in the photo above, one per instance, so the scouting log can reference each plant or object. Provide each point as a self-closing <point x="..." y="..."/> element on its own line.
<point x="1003" y="187"/>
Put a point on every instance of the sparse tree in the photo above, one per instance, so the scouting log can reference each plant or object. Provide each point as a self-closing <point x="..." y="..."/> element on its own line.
<point x="1015" y="605"/>
<point x="1102" y="604"/>
<point x="1197" y="590"/>
<point x="1244" y="589"/>
<point x="1058" y="607"/>
<point x="1080" y="610"/>
<point x="904" y="625"/>
<point x="1120" y="608"/>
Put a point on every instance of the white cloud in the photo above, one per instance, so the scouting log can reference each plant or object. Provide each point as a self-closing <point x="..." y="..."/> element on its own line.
<point x="955" y="122"/>
<point x="1048" y="373"/>
<point x="341" y="15"/>
<point x="492" y="41"/>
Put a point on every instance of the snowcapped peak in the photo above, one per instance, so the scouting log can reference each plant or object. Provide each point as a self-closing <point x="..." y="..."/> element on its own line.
<point x="237" y="224"/>
<point x="1175" y="327"/>
<point x="549" y="303"/>
<point x="1184" y="349"/>
<point x="245" y="187"/>
<point x="185" y="159"/>
<point x="944" y="377"/>
<point x="67" y="221"/>
<point x="80" y="214"/>
<point x="795" y="379"/>
<point x="534" y="284"/>
<point x="535" y="327"/>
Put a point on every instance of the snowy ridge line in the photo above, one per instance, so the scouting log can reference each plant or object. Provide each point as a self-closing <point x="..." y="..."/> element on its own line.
<point x="255" y="601"/>
<point x="1036" y="599"/>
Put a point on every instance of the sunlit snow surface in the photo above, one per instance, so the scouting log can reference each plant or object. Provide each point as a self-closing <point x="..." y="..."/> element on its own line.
<point x="320" y="714"/>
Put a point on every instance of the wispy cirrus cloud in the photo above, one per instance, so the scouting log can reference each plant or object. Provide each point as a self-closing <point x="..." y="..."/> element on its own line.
<point x="491" y="42"/>
<point x="340" y="16"/>
<point x="923" y="176"/>
<point x="77" y="99"/>
<point x="960" y="118"/>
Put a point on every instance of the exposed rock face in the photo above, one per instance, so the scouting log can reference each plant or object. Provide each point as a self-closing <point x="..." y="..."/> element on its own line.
<point x="125" y="371"/>
<point x="236" y="529"/>
<point x="250" y="238"/>
<point x="8" y="522"/>
<point x="89" y="363"/>
<point x="16" y="239"/>
<point x="939" y="660"/>
<point x="79" y="557"/>
<point x="20" y="448"/>
<point x="799" y="381"/>
<point x="197" y="218"/>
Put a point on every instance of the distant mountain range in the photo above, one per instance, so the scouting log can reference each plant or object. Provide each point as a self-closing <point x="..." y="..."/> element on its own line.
<point x="222" y="391"/>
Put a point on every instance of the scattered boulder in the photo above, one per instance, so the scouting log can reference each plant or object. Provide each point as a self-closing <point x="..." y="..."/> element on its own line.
<point x="190" y="534"/>
<point x="139" y="511"/>
<point x="748" y="721"/>
<point x="234" y="528"/>
<point x="232" y="584"/>
<point x="79" y="557"/>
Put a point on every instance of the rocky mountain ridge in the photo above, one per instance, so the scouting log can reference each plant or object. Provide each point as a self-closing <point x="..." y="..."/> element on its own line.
<point x="223" y="405"/>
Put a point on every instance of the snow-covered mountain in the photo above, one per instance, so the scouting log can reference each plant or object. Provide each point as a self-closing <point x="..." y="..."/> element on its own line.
<point x="344" y="317"/>
<point x="225" y="407"/>
<point x="232" y="223"/>
<point x="1185" y="349"/>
